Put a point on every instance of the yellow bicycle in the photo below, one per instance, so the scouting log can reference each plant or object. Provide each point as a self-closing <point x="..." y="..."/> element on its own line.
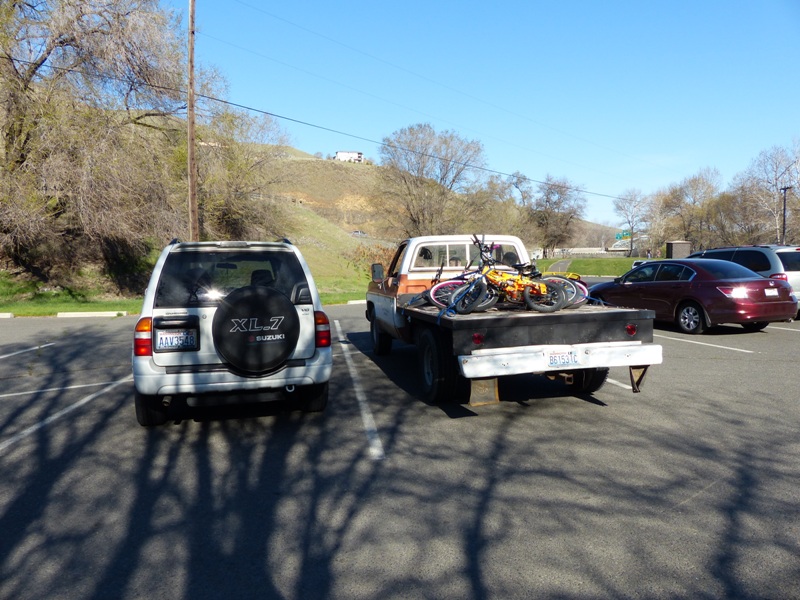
<point x="525" y="286"/>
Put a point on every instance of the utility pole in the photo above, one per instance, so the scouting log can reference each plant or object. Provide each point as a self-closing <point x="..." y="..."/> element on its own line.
<point x="194" y="220"/>
<point x="783" y="230"/>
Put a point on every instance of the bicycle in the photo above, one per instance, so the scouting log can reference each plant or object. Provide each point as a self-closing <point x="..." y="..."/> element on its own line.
<point x="525" y="286"/>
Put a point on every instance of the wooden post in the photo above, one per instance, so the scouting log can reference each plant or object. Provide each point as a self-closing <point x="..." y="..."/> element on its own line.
<point x="194" y="220"/>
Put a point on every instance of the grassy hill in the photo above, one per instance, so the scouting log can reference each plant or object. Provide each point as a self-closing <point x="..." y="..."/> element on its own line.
<point x="338" y="191"/>
<point x="325" y="200"/>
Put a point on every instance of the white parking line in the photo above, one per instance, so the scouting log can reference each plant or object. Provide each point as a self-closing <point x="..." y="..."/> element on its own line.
<point x="619" y="384"/>
<point x="26" y="350"/>
<point x="55" y="416"/>
<point x="375" y="445"/>
<point x="703" y="344"/>
<point x="58" y="389"/>
<point x="784" y="328"/>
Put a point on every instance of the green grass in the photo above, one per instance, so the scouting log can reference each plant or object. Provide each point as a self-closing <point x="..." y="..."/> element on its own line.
<point x="601" y="266"/>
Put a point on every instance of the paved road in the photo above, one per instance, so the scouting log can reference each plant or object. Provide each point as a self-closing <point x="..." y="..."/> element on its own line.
<point x="689" y="489"/>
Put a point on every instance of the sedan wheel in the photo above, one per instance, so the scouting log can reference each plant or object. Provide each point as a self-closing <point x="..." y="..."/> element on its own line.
<point x="691" y="318"/>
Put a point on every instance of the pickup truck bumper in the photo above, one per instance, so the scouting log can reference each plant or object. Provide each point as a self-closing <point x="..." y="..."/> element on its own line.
<point x="497" y="362"/>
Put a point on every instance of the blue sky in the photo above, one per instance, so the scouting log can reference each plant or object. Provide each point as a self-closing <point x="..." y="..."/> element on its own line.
<point x="612" y="96"/>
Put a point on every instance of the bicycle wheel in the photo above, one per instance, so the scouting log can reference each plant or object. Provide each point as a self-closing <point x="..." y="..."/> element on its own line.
<point x="570" y="289"/>
<point x="583" y="295"/>
<point x="468" y="297"/>
<point x="552" y="301"/>
<point x="492" y="297"/>
<point x="576" y="293"/>
<point x="441" y="293"/>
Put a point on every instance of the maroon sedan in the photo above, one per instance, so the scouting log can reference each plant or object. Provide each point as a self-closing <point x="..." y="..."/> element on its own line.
<point x="699" y="293"/>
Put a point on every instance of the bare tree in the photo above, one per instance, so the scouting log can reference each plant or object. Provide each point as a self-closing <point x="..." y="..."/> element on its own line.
<point x="555" y="210"/>
<point x="772" y="170"/>
<point x="121" y="55"/>
<point x="736" y="215"/>
<point x="75" y="75"/>
<point x="426" y="178"/>
<point x="236" y="150"/>
<point x="631" y="206"/>
<point x="688" y="204"/>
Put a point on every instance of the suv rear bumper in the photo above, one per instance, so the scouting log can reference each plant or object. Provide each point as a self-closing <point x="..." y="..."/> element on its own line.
<point x="152" y="380"/>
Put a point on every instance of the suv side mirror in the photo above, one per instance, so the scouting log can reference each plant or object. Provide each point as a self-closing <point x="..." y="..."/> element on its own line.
<point x="376" y="271"/>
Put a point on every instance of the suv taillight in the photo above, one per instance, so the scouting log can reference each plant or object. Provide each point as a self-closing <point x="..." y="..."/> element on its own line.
<point x="781" y="276"/>
<point x="143" y="337"/>
<point x="322" y="330"/>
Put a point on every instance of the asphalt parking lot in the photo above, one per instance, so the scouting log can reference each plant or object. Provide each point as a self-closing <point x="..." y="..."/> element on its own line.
<point x="689" y="489"/>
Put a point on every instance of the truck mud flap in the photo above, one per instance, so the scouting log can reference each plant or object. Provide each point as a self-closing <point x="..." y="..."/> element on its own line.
<point x="637" y="377"/>
<point x="483" y="391"/>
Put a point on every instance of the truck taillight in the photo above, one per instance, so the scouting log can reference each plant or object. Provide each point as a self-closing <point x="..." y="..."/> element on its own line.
<point x="322" y="330"/>
<point x="631" y="329"/>
<point x="143" y="337"/>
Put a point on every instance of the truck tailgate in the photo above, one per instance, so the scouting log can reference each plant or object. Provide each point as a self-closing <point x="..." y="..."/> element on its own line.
<point x="514" y="327"/>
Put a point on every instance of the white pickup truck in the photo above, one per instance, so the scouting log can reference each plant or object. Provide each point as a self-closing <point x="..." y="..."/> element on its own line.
<point x="461" y="357"/>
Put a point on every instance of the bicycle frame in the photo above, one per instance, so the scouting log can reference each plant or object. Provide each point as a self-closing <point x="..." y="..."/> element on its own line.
<point x="512" y="284"/>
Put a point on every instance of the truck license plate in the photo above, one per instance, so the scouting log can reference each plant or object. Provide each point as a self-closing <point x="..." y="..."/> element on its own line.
<point x="567" y="358"/>
<point x="176" y="339"/>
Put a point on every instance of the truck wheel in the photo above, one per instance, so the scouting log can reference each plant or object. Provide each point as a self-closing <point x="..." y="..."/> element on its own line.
<point x="587" y="381"/>
<point x="381" y="341"/>
<point x="149" y="411"/>
<point x="441" y="381"/>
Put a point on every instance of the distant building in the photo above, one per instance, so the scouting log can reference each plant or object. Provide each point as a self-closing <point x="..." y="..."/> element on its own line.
<point x="356" y="157"/>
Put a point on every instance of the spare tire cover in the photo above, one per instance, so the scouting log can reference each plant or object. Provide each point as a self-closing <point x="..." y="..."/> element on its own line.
<point x="255" y="329"/>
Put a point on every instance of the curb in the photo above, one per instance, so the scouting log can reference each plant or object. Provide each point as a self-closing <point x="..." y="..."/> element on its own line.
<point x="6" y="315"/>
<point x="110" y="313"/>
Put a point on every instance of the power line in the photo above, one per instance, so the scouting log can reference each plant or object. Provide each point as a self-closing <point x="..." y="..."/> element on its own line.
<point x="320" y="127"/>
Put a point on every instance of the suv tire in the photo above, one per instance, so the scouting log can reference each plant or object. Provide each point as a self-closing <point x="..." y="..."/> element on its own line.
<point x="314" y="397"/>
<point x="149" y="411"/>
<point x="236" y="329"/>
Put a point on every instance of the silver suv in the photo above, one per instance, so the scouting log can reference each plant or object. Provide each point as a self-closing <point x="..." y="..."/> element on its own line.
<point x="776" y="262"/>
<point x="230" y="322"/>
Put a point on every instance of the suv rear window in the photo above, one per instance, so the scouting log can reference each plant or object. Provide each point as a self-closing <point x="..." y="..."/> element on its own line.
<point x="790" y="260"/>
<point x="194" y="278"/>
<point x="755" y="260"/>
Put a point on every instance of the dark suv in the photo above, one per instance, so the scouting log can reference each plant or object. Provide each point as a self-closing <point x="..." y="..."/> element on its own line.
<point x="230" y="322"/>
<point x="776" y="262"/>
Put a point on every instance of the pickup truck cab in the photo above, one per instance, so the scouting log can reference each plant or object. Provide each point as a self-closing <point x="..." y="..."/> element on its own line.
<point x="462" y="356"/>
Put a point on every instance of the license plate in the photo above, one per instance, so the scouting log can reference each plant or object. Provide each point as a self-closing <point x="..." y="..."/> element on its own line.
<point x="567" y="358"/>
<point x="176" y="339"/>
<point x="771" y="292"/>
